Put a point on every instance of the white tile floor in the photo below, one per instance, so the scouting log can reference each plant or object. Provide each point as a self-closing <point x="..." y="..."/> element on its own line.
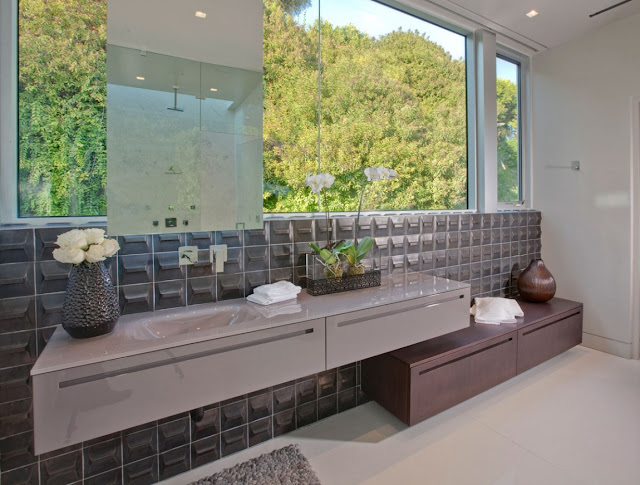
<point x="572" y="420"/>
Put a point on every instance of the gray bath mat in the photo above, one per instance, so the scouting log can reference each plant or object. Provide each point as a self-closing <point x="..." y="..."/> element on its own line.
<point x="286" y="466"/>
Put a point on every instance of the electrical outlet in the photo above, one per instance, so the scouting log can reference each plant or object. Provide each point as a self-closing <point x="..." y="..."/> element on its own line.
<point x="218" y="256"/>
<point x="187" y="255"/>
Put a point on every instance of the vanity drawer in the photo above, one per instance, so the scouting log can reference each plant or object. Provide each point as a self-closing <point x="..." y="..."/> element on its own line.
<point x="448" y="381"/>
<point x="550" y="337"/>
<point x="363" y="334"/>
<point x="87" y="402"/>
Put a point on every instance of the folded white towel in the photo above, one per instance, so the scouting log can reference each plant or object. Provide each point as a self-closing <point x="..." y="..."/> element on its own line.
<point x="495" y="311"/>
<point x="268" y="300"/>
<point x="283" y="308"/>
<point x="280" y="288"/>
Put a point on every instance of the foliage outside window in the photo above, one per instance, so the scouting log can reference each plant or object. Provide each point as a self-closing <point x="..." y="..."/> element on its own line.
<point x="508" y="99"/>
<point x="62" y="107"/>
<point x="394" y="98"/>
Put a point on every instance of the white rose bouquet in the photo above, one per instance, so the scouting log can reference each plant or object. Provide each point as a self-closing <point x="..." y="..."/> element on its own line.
<point x="84" y="245"/>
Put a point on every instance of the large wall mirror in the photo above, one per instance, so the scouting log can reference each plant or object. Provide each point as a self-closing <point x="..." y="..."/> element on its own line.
<point x="185" y="105"/>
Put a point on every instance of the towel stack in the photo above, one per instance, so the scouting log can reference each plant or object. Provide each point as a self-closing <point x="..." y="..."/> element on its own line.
<point x="274" y="293"/>
<point x="495" y="311"/>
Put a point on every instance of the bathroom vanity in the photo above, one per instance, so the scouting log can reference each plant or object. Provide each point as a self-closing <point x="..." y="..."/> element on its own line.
<point x="154" y="365"/>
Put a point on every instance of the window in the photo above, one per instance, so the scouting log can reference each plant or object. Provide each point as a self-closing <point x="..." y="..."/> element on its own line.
<point x="391" y="91"/>
<point x="509" y="130"/>
<point x="62" y="108"/>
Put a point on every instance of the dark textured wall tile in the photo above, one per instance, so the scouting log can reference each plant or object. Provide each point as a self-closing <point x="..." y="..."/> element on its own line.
<point x="427" y="224"/>
<point x="139" y="244"/>
<point x="201" y="290"/>
<point x="233" y="414"/>
<point x="440" y="223"/>
<point x="167" y="267"/>
<point x="306" y="391"/>
<point x="103" y="456"/>
<point x="16" y="246"/>
<point x="255" y="279"/>
<point x="170" y="294"/>
<point x="15" y="383"/>
<point x="281" y="256"/>
<point x="17" y="314"/>
<point x="259" y="406"/>
<point x="282" y="274"/>
<point x="49" y="309"/>
<point x="17" y="348"/>
<point x="235" y="261"/>
<point x="202" y="240"/>
<point x="257" y="237"/>
<point x="143" y="472"/>
<point x="234" y="440"/>
<point x="168" y="242"/>
<point x="135" y="269"/>
<point x="139" y="445"/>
<point x="17" y="451"/>
<point x="346" y="399"/>
<point x="321" y="229"/>
<point x="16" y="417"/>
<point x="45" y="241"/>
<point x="112" y="477"/>
<point x="136" y="298"/>
<point x="233" y="239"/>
<point x="327" y="406"/>
<point x="260" y="431"/>
<point x="300" y="252"/>
<point x="284" y="422"/>
<point x="62" y="469"/>
<point x="256" y="258"/>
<point x="16" y="279"/>
<point x="440" y="241"/>
<point x="230" y="286"/>
<point x="453" y="222"/>
<point x="28" y="475"/>
<point x="175" y="462"/>
<point x="283" y="398"/>
<point x="381" y="227"/>
<point x="205" y="422"/>
<point x="306" y="414"/>
<point x="42" y="338"/>
<point x="303" y="231"/>
<point x="205" y="451"/>
<point x="281" y="232"/>
<point x="173" y="434"/>
<point x="346" y="377"/>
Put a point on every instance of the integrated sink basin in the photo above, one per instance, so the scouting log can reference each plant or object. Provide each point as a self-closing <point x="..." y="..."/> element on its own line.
<point x="183" y="321"/>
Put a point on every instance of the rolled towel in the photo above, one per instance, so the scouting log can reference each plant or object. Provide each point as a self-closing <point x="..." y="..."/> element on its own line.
<point x="280" y="288"/>
<point x="495" y="311"/>
<point x="269" y="300"/>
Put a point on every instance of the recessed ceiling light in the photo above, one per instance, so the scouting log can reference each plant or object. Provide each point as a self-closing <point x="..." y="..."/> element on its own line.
<point x="201" y="15"/>
<point x="532" y="14"/>
<point x="140" y="78"/>
<point x="213" y="90"/>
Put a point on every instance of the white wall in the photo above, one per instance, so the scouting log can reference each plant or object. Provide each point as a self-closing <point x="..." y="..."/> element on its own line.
<point x="581" y="111"/>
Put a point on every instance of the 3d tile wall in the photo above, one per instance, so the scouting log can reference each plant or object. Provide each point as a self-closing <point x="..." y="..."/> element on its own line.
<point x="486" y="250"/>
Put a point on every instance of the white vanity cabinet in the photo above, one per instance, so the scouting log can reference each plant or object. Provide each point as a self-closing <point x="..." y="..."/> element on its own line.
<point x="85" y="402"/>
<point x="362" y="334"/>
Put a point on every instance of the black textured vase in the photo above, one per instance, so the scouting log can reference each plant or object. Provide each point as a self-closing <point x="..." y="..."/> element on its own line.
<point x="91" y="302"/>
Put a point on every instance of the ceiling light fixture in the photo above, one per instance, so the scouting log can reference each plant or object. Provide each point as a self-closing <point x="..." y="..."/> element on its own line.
<point x="531" y="14"/>
<point x="140" y="78"/>
<point x="213" y="90"/>
<point x="201" y="15"/>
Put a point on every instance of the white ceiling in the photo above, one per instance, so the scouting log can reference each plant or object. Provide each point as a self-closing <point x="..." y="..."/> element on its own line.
<point x="558" y="22"/>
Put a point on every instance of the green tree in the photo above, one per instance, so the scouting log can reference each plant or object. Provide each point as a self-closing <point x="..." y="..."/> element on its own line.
<point x="62" y="107"/>
<point x="507" y="97"/>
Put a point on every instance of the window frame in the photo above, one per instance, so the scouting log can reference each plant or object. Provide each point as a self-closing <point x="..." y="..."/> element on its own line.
<point x="464" y="26"/>
<point x="524" y="126"/>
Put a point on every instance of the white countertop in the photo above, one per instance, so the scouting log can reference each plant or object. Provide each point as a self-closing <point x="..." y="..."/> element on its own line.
<point x="151" y="331"/>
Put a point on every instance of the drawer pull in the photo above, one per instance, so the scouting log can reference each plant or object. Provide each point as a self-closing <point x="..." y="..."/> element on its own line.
<point x="397" y="312"/>
<point x="550" y="323"/>
<point x="177" y="360"/>
<point x="466" y="356"/>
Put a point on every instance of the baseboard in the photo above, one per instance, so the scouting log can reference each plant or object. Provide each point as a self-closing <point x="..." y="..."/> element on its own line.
<point x="621" y="349"/>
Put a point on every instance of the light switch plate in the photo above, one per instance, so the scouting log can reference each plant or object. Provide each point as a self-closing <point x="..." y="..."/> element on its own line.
<point x="187" y="255"/>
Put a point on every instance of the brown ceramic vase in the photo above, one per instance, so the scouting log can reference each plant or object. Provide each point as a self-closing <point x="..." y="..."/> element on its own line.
<point x="535" y="283"/>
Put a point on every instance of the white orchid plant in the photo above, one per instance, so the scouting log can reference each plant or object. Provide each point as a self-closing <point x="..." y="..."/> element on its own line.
<point x="84" y="245"/>
<point x="352" y="251"/>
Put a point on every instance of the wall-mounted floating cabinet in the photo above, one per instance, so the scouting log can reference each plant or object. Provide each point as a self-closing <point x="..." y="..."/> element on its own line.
<point x="159" y="364"/>
<point x="421" y="380"/>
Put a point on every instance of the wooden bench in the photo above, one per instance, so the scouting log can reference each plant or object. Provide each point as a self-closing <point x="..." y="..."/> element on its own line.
<point x="419" y="381"/>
